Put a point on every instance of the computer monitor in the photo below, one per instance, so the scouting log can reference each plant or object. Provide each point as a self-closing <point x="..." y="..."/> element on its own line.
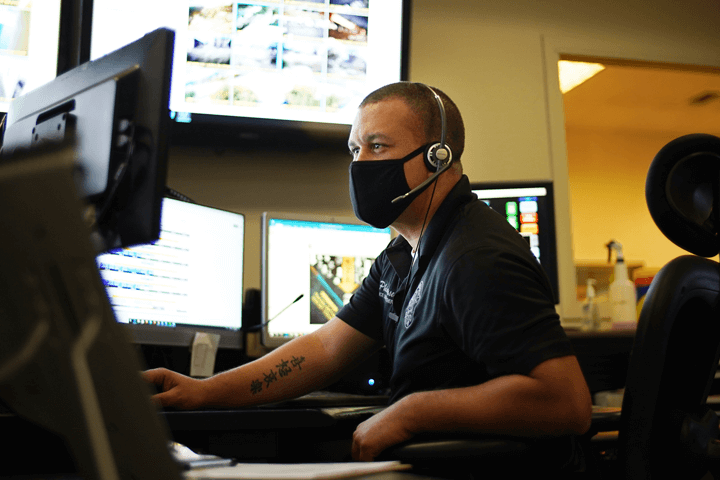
<point x="190" y="280"/>
<point x="246" y="71"/>
<point x="529" y="207"/>
<point x="311" y="265"/>
<point x="115" y="111"/>
<point x="29" y="46"/>
<point x="65" y="363"/>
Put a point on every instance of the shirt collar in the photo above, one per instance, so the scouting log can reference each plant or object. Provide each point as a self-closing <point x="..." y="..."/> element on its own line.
<point x="399" y="252"/>
<point x="444" y="215"/>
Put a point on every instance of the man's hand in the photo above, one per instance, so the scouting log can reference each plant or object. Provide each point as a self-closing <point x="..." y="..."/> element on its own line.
<point x="380" y="432"/>
<point x="177" y="390"/>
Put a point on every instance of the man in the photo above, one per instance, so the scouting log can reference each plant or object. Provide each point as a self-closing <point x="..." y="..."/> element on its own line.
<point x="459" y="301"/>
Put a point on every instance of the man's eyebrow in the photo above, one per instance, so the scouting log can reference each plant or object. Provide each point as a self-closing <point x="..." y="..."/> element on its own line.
<point x="369" y="138"/>
<point x="373" y="137"/>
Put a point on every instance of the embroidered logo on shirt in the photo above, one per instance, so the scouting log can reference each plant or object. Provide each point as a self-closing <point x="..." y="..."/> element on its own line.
<point x="410" y="310"/>
<point x="385" y="293"/>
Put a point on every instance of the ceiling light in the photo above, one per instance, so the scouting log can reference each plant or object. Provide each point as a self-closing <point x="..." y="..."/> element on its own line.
<point x="572" y="74"/>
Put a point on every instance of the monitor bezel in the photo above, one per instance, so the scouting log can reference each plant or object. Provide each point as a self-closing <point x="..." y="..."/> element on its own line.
<point x="551" y="236"/>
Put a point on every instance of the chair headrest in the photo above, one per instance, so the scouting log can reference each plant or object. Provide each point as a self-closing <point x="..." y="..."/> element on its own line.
<point x="679" y="191"/>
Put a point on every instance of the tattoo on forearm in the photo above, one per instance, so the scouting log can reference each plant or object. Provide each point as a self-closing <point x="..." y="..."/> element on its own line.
<point x="256" y="386"/>
<point x="270" y="377"/>
<point x="284" y="368"/>
<point x="297" y="361"/>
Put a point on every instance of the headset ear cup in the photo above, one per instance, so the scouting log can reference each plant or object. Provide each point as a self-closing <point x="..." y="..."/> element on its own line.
<point x="437" y="156"/>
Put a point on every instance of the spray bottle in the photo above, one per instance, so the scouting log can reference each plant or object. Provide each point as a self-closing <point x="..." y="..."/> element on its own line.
<point x="591" y="319"/>
<point x="622" y="291"/>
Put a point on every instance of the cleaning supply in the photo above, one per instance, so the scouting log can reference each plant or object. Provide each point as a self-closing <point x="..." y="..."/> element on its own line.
<point x="622" y="291"/>
<point x="591" y="318"/>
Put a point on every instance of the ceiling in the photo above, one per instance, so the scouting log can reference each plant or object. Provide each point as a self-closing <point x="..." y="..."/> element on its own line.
<point x="646" y="99"/>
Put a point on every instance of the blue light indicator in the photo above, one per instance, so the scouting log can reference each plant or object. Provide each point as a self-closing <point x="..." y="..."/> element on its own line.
<point x="371" y="382"/>
<point x="183" y="117"/>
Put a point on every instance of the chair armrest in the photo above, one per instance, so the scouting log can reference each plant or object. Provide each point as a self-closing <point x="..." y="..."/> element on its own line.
<point x="432" y="450"/>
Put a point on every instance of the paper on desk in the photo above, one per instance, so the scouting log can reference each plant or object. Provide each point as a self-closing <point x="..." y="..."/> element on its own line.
<point x="292" y="471"/>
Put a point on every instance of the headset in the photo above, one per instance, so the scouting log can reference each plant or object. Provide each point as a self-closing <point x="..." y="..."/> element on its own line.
<point x="438" y="156"/>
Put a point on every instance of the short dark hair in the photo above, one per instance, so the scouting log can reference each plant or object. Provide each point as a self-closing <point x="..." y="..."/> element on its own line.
<point x="422" y="102"/>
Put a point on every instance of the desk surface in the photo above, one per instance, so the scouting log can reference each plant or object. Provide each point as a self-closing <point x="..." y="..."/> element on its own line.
<point x="279" y="435"/>
<point x="260" y="418"/>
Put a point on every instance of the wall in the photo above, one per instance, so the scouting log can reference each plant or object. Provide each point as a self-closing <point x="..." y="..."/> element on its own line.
<point x="609" y="206"/>
<point x="498" y="61"/>
<point x="254" y="181"/>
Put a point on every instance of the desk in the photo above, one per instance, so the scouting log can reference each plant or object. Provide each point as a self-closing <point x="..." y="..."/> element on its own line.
<point x="377" y="476"/>
<point x="279" y="434"/>
<point x="603" y="356"/>
<point x="272" y="434"/>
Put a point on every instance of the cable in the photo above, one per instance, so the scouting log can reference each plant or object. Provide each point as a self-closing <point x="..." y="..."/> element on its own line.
<point x="2" y="129"/>
<point x="427" y="212"/>
<point x="118" y="177"/>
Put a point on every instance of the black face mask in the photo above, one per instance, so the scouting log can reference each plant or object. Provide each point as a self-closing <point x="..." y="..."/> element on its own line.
<point x="374" y="184"/>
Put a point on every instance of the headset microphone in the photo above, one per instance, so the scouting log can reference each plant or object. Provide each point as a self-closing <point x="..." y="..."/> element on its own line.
<point x="262" y="325"/>
<point x="420" y="188"/>
<point x="438" y="156"/>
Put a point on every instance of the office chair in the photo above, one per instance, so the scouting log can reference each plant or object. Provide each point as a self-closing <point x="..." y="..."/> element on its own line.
<point x="666" y="428"/>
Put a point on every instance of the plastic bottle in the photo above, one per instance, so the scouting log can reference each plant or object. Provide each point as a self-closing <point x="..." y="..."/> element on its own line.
<point x="591" y="319"/>
<point x="622" y="291"/>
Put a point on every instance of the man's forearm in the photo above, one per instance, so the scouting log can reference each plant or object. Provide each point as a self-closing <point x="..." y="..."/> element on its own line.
<point x="303" y="365"/>
<point x="553" y="400"/>
<point x="511" y="405"/>
<point x="289" y="371"/>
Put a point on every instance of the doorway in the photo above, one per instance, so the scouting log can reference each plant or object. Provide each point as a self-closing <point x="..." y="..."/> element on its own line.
<point x="615" y="123"/>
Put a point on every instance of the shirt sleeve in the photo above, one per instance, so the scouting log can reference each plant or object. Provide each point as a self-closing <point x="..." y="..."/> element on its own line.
<point x="364" y="310"/>
<point x="499" y="310"/>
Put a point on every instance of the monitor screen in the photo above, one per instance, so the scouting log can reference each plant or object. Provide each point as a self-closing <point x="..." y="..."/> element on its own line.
<point x="189" y="280"/>
<point x="301" y="65"/>
<point x="114" y="110"/>
<point x="311" y="265"/>
<point x="28" y="46"/>
<point x="527" y="206"/>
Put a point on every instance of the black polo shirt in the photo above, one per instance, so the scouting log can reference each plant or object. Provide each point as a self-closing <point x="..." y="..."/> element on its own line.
<point x="474" y="305"/>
